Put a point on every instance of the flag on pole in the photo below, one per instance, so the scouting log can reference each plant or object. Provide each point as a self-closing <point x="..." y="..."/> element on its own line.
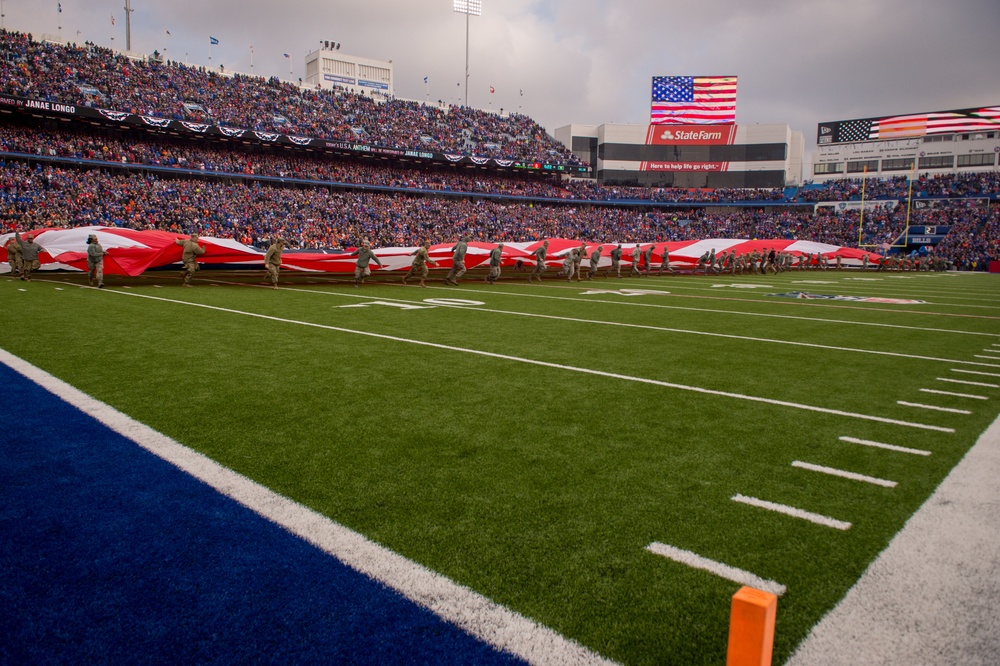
<point x="425" y="79"/>
<point x="492" y="90"/>
<point x="522" y="93"/>
<point x="60" y="8"/>
<point x="112" y="19"/>
<point x="168" y="33"/>
<point x="212" y="40"/>
<point x="286" y="55"/>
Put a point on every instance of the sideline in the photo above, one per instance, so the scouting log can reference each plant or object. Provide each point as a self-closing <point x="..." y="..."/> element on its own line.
<point x="488" y="621"/>
<point x="931" y="596"/>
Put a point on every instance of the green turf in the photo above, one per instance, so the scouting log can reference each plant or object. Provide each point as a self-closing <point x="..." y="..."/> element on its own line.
<point x="539" y="486"/>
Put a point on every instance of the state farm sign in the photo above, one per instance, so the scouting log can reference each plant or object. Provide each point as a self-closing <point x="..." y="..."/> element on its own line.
<point x="660" y="135"/>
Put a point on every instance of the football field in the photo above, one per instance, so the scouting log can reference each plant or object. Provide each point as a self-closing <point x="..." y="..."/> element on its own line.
<point x="611" y="459"/>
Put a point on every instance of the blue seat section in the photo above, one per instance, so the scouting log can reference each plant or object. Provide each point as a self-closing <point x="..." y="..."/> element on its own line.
<point x="108" y="554"/>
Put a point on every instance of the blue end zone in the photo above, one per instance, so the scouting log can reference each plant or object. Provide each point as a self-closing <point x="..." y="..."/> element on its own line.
<point x="109" y="554"/>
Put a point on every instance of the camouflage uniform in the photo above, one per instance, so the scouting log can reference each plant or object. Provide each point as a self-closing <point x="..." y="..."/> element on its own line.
<point x="419" y="265"/>
<point x="272" y="261"/>
<point x="616" y="261"/>
<point x="496" y="256"/>
<point x="595" y="259"/>
<point x="95" y="262"/>
<point x="14" y="257"/>
<point x="457" y="261"/>
<point x="191" y="251"/>
<point x="361" y="269"/>
<point x="29" y="256"/>
<point x="539" y="262"/>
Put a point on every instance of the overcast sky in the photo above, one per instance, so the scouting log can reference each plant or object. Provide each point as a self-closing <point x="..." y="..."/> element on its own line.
<point x="589" y="61"/>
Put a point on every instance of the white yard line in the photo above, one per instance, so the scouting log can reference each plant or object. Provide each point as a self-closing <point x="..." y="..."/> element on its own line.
<point x="962" y="381"/>
<point x="665" y="329"/>
<point x="935" y="408"/>
<point x="976" y="372"/>
<point x="486" y="620"/>
<point x="546" y="364"/>
<point x="832" y="471"/>
<point x="957" y="395"/>
<point x="881" y="445"/>
<point x="714" y="311"/>
<point x="718" y="568"/>
<point x="819" y="519"/>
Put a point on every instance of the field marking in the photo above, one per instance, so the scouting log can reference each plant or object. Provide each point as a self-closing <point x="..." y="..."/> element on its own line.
<point x="832" y="471"/>
<point x="725" y="312"/>
<point x="962" y="381"/>
<point x="992" y="351"/>
<point x="602" y="322"/>
<point x="957" y="395"/>
<point x="472" y="612"/>
<point x="974" y="372"/>
<point x="546" y="364"/>
<point x="935" y="408"/>
<point x="718" y="568"/>
<point x="881" y="445"/>
<point x="992" y="358"/>
<point x="817" y="518"/>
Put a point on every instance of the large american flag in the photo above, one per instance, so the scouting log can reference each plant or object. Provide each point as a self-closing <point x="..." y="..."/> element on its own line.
<point x="921" y="124"/>
<point x="693" y="100"/>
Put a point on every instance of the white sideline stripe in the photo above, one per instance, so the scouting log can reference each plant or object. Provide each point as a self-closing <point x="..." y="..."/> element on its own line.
<point x="486" y="620"/>
<point x="742" y="338"/>
<point x="843" y="473"/>
<point x="880" y="445"/>
<point x="718" y="568"/>
<point x="935" y="408"/>
<point x="992" y="358"/>
<point x="992" y="351"/>
<point x="547" y="364"/>
<point x="962" y="381"/>
<point x="957" y="395"/>
<point x="819" y="519"/>
<point x="976" y="372"/>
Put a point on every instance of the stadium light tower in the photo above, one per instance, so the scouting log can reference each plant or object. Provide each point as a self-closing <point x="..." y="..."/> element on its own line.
<point x="469" y="8"/>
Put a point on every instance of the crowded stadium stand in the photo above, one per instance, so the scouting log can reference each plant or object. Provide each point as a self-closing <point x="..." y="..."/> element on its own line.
<point x="91" y="137"/>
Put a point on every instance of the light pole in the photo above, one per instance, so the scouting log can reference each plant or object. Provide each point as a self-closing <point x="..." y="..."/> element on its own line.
<point x="128" y="25"/>
<point x="469" y="8"/>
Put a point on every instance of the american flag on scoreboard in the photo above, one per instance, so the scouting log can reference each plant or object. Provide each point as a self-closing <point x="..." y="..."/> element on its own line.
<point x="693" y="100"/>
<point x="921" y="124"/>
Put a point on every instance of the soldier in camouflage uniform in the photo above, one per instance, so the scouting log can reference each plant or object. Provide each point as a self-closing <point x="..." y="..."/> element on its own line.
<point x="29" y="255"/>
<point x="14" y="257"/>
<point x="496" y="257"/>
<point x="595" y="259"/>
<point x="272" y="260"/>
<point x="419" y="265"/>
<point x="365" y="255"/>
<point x="189" y="256"/>
<point x="457" y="261"/>
<point x="95" y="262"/>
<point x="539" y="262"/>
<point x="616" y="261"/>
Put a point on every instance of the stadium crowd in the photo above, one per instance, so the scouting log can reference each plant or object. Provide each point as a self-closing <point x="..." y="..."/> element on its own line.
<point x="96" y="76"/>
<point x="318" y="217"/>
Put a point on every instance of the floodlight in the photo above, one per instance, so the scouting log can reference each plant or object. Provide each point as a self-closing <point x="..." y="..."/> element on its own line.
<point x="473" y="7"/>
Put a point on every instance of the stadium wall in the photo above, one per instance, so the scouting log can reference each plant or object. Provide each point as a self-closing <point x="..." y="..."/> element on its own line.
<point x="706" y="156"/>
